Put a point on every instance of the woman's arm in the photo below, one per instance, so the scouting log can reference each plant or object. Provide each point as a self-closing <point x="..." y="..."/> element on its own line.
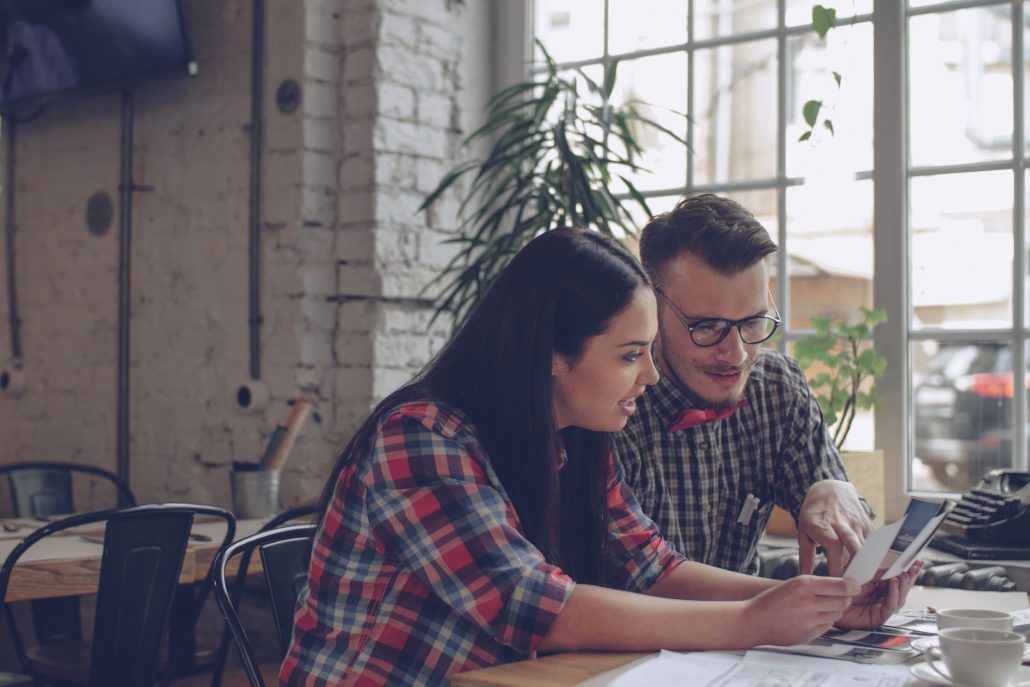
<point x="691" y="580"/>
<point x="785" y="613"/>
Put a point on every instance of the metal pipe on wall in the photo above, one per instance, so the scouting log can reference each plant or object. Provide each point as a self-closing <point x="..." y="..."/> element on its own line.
<point x="256" y="142"/>
<point x="12" y="293"/>
<point x="125" y="189"/>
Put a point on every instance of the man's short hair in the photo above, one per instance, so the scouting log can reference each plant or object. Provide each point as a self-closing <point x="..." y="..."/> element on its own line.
<point x="718" y="230"/>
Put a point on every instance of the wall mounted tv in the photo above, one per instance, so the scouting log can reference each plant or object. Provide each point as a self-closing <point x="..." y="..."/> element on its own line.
<point x="50" y="49"/>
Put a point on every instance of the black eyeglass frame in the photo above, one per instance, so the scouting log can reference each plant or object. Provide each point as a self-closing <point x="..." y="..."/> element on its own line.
<point x="730" y="324"/>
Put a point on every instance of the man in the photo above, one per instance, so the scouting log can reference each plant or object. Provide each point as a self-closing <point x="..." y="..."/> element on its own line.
<point x="732" y="427"/>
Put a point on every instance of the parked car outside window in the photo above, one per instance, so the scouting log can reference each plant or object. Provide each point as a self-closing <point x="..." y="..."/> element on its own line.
<point x="963" y="407"/>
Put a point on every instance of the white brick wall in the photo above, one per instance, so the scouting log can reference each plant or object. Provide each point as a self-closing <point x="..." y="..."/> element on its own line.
<point x="388" y="87"/>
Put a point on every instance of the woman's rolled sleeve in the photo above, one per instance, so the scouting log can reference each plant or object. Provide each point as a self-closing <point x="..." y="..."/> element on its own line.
<point x="638" y="554"/>
<point x="432" y="507"/>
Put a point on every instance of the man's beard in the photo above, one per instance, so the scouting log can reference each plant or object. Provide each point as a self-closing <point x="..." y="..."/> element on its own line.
<point x="697" y="400"/>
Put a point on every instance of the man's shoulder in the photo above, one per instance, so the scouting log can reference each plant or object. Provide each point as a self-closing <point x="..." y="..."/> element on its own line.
<point x="777" y="371"/>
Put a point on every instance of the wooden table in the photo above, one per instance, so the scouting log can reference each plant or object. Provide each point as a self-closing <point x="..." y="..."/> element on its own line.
<point x="566" y="670"/>
<point x="65" y="565"/>
<point x="557" y="670"/>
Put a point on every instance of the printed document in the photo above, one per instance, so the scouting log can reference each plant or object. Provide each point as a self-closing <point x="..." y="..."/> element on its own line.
<point x="755" y="669"/>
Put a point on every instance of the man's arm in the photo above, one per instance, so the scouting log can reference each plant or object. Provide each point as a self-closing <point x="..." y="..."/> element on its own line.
<point x="813" y="484"/>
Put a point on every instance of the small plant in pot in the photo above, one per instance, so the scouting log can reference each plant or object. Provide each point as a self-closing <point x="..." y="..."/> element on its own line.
<point x="842" y="367"/>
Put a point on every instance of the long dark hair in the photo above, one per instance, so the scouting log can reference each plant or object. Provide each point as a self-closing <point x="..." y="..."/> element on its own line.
<point x="562" y="288"/>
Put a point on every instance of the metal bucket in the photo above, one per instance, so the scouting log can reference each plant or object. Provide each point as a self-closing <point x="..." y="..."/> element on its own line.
<point x="255" y="493"/>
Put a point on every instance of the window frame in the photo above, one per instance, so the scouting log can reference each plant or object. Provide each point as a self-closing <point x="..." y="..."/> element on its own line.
<point x="891" y="177"/>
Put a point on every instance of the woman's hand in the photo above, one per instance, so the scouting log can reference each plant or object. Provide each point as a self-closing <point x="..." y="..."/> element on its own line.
<point x="798" y="610"/>
<point x="878" y="600"/>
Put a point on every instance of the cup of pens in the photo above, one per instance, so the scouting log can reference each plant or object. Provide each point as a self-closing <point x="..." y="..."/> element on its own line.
<point x="255" y="486"/>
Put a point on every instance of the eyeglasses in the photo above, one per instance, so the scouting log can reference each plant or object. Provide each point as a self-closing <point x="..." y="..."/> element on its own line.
<point x="710" y="331"/>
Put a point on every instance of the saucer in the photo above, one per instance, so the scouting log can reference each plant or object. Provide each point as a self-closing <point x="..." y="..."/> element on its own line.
<point x="924" y="644"/>
<point x="925" y="673"/>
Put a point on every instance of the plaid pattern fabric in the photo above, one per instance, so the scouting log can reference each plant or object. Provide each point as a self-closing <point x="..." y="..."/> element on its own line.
<point x="695" y="482"/>
<point x="420" y="570"/>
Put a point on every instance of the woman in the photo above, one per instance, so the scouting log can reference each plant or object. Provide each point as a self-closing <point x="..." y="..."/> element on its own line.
<point x="464" y="508"/>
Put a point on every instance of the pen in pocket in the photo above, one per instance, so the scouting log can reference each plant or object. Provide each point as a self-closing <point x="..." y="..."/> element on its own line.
<point x="750" y="504"/>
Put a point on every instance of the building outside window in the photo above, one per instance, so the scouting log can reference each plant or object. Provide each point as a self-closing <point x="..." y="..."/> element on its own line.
<point x="926" y="218"/>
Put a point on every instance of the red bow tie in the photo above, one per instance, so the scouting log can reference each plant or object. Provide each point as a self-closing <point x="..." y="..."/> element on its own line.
<point x="692" y="417"/>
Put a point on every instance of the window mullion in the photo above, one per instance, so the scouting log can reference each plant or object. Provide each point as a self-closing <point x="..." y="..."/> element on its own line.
<point x="783" y="261"/>
<point x="891" y="246"/>
<point x="1019" y="267"/>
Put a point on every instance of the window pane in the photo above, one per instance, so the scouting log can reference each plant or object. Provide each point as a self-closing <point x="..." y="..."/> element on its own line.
<point x="570" y="29"/>
<point x="962" y="398"/>
<point x="714" y="18"/>
<point x="830" y="246"/>
<point x="657" y="87"/>
<point x="735" y="121"/>
<point x="848" y="51"/>
<point x="629" y="28"/>
<point x="961" y="259"/>
<point x="961" y="86"/>
<point x="1026" y="80"/>
<point x="1026" y="278"/>
<point x="800" y="11"/>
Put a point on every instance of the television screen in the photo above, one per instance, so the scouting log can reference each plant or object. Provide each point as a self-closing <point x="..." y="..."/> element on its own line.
<point x="52" y="48"/>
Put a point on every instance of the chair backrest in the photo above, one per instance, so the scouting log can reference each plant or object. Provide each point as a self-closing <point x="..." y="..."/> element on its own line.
<point x="285" y="553"/>
<point x="296" y="513"/>
<point x="285" y="562"/>
<point x="45" y="487"/>
<point x="142" y="559"/>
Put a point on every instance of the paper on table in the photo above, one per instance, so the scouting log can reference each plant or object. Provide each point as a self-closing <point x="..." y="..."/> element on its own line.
<point x="721" y="669"/>
<point x="867" y="652"/>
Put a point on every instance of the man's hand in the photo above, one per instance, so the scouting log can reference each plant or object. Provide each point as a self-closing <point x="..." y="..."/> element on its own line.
<point x="831" y="517"/>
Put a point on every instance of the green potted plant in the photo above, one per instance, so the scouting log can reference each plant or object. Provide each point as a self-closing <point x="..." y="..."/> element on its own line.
<point x="842" y="367"/>
<point x="557" y="148"/>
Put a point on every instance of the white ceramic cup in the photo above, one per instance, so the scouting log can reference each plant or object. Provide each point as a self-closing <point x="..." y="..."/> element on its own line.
<point x="978" y="656"/>
<point x="973" y="617"/>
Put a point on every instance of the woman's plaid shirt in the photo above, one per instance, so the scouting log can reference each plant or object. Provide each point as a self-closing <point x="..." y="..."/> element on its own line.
<point x="694" y="482"/>
<point x="420" y="569"/>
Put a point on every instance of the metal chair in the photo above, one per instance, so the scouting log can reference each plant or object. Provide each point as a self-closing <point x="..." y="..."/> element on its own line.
<point x="45" y="488"/>
<point x="285" y="554"/>
<point x="295" y="513"/>
<point x="143" y="551"/>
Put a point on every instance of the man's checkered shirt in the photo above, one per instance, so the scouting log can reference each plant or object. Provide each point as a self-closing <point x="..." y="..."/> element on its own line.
<point x="693" y="483"/>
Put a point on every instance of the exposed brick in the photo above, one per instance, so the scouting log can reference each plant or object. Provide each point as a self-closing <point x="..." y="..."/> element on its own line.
<point x="396" y="101"/>
<point x="345" y="253"/>
<point x="411" y="69"/>
<point x="391" y="136"/>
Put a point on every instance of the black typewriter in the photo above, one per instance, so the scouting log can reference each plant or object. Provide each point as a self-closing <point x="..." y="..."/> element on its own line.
<point x="992" y="520"/>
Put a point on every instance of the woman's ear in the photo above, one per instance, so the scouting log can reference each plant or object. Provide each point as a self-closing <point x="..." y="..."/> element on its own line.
<point x="558" y="364"/>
